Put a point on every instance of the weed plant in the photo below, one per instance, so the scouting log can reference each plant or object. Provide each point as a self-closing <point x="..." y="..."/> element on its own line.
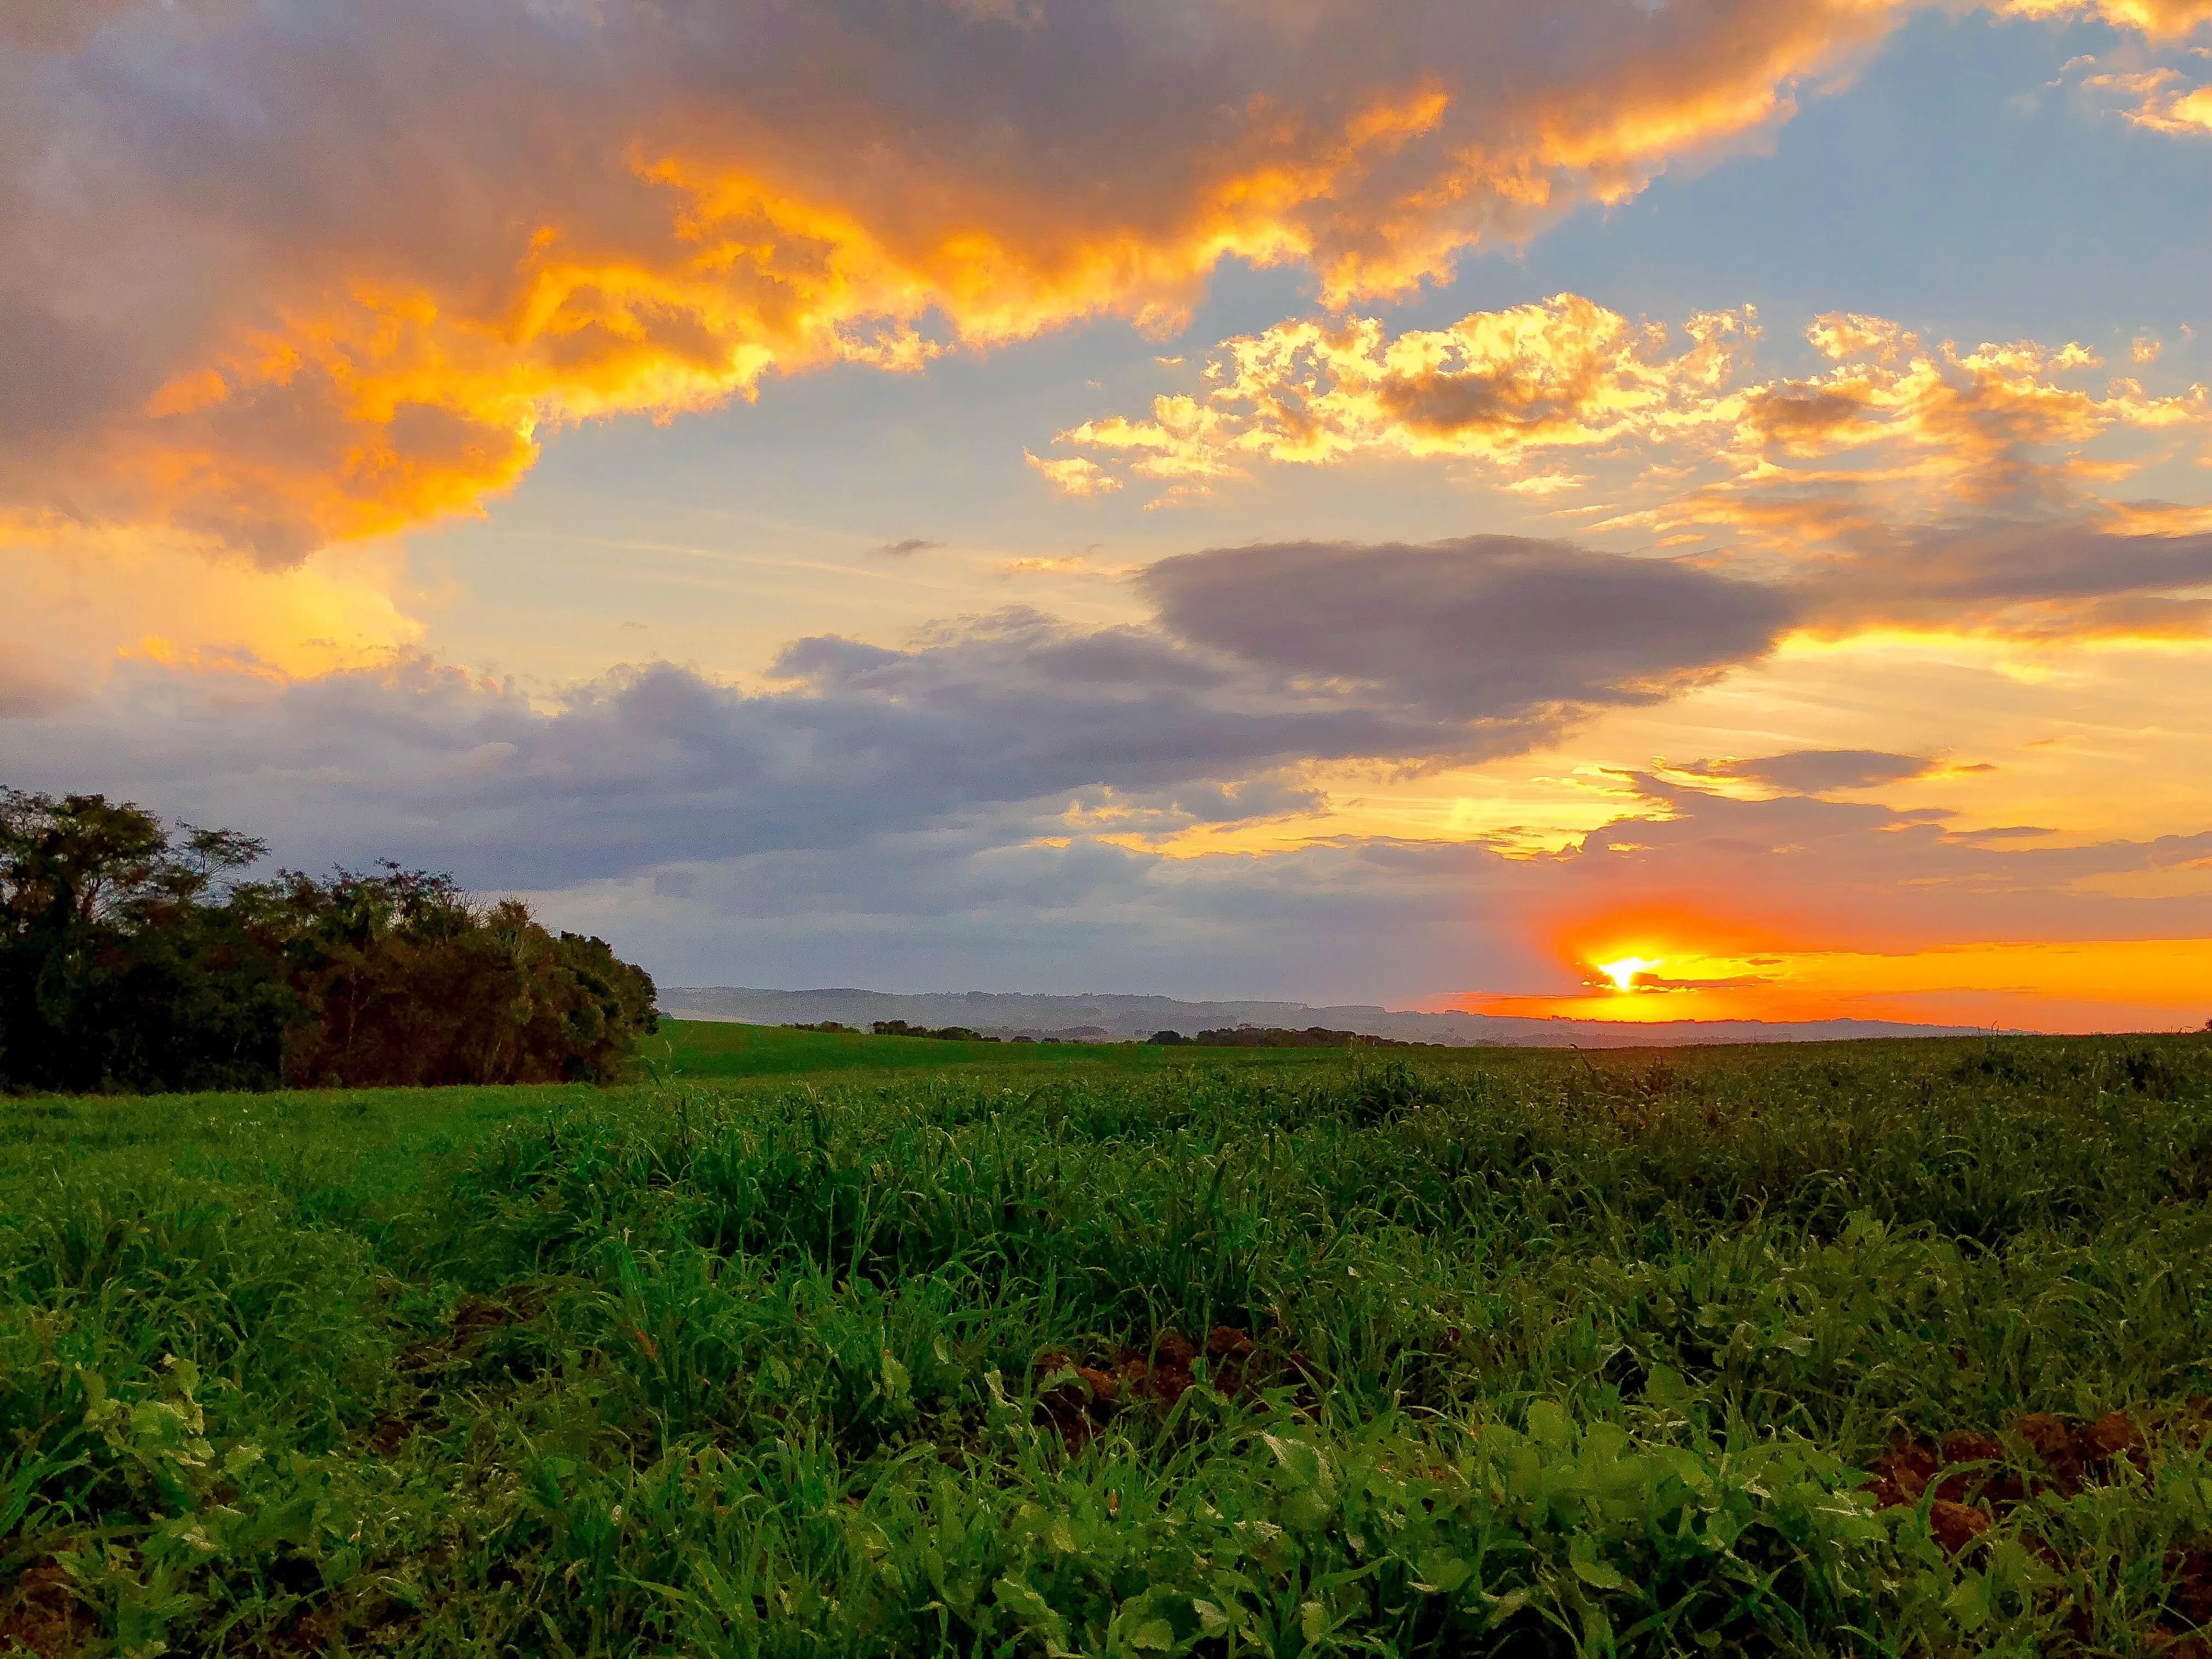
<point x="1514" y="1353"/>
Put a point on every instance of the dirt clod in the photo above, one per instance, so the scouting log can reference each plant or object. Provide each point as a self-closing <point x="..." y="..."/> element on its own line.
<point x="1966" y="1446"/>
<point x="42" y="1615"/>
<point x="1954" y="1526"/>
<point x="1159" y="1375"/>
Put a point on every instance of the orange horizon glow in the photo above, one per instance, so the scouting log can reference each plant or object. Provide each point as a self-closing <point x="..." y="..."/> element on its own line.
<point x="2075" y="986"/>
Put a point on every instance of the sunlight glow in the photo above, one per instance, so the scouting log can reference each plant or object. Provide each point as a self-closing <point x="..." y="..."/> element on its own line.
<point x="1623" y="973"/>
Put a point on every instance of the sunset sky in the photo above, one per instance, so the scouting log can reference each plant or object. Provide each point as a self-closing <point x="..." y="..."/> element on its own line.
<point x="1288" y="498"/>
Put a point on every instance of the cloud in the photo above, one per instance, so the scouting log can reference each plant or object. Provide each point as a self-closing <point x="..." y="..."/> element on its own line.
<point x="1076" y="475"/>
<point x="303" y="276"/>
<point x="2057" y="581"/>
<point x="1475" y="628"/>
<point x="29" y="685"/>
<point x="1904" y="482"/>
<point x="2159" y="19"/>
<point x="1261" y="660"/>
<point x="1771" y="882"/>
<point x="1562" y="373"/>
<point x="2161" y="100"/>
<point x="1896" y="432"/>
<point x="911" y="545"/>
<point x="1827" y="874"/>
<point x="91" y="599"/>
<point x="1819" y="771"/>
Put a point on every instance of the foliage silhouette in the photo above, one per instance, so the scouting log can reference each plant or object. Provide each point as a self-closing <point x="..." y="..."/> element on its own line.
<point x="133" y="958"/>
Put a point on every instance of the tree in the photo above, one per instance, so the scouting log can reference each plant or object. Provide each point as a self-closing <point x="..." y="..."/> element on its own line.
<point x="130" y="959"/>
<point x="115" y="971"/>
<point x="408" y="982"/>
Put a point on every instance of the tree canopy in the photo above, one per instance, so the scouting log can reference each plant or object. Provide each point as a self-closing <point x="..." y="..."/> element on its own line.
<point x="135" y="955"/>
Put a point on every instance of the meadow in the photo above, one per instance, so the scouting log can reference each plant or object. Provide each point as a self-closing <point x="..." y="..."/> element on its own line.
<point x="811" y="1345"/>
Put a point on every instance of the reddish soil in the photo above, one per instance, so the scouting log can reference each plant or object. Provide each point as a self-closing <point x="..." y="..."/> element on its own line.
<point x="474" y="1318"/>
<point x="1975" y="1469"/>
<point x="1956" y="1525"/>
<point x="1971" y="1478"/>
<point x="307" y="1632"/>
<point x="1131" y="1377"/>
<point x="386" y="1435"/>
<point x="40" y="1614"/>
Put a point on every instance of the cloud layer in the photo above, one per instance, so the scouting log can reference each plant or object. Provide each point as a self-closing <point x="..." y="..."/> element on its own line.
<point x="1904" y="483"/>
<point x="274" y="275"/>
<point x="1893" y="431"/>
<point x="1261" y="659"/>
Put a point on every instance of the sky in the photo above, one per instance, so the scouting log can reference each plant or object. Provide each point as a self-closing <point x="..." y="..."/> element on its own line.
<point x="1624" y="509"/>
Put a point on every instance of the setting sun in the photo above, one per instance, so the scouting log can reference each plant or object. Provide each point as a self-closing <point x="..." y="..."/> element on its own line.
<point x="1623" y="973"/>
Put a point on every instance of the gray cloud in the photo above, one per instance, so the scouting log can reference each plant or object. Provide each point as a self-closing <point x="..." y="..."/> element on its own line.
<point x="2061" y="579"/>
<point x="1261" y="658"/>
<point x="910" y="546"/>
<point x="1473" y="628"/>
<point x="1860" y="875"/>
<point x="1816" y="771"/>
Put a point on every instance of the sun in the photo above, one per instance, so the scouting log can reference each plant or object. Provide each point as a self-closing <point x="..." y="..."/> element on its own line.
<point x="1623" y="972"/>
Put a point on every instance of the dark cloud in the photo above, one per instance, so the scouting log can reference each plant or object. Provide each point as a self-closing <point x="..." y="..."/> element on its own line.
<point x="1261" y="658"/>
<point x="1816" y="771"/>
<point x="1474" y="629"/>
<point x="2063" y="580"/>
<point x="908" y="547"/>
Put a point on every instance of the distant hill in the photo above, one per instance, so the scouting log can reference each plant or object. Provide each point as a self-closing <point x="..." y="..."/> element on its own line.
<point x="1106" y="1018"/>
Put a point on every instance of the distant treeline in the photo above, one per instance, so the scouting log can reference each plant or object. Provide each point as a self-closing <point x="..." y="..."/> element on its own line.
<point x="897" y="1028"/>
<point x="132" y="959"/>
<point x="1240" y="1036"/>
<point x="1269" y="1037"/>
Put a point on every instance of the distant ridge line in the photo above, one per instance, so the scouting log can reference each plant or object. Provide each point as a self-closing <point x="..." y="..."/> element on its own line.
<point x="1102" y="1016"/>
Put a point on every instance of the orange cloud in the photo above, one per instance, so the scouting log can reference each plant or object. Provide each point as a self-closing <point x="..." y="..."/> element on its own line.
<point x="1562" y="373"/>
<point x="1898" y="432"/>
<point x="376" y="297"/>
<point x="2161" y="100"/>
<point x="1901" y="432"/>
<point x="101" y="598"/>
<point x="2159" y="19"/>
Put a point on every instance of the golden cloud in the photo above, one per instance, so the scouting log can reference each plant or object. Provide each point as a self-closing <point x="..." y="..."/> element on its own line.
<point x="2159" y="19"/>
<point x="1897" y="433"/>
<point x="1901" y="434"/>
<point x="374" y="299"/>
<point x="1564" y="373"/>
<point x="2161" y="100"/>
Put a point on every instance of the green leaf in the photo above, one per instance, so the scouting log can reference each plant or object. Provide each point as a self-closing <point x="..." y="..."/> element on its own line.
<point x="1441" y="1575"/>
<point x="1590" y="1567"/>
<point x="1969" y="1602"/>
<point x="1548" y="1425"/>
<point x="1022" y="1599"/>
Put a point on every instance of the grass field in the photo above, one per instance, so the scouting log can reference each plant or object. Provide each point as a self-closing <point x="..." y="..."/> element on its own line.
<point x="702" y="1049"/>
<point x="823" y="1346"/>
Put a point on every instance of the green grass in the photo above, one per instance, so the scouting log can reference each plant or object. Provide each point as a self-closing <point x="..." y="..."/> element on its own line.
<point x="693" y="1049"/>
<point x="807" y="1350"/>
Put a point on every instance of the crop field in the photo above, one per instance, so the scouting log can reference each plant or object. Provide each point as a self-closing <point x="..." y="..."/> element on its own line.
<point x="814" y="1346"/>
<point x="702" y="1049"/>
